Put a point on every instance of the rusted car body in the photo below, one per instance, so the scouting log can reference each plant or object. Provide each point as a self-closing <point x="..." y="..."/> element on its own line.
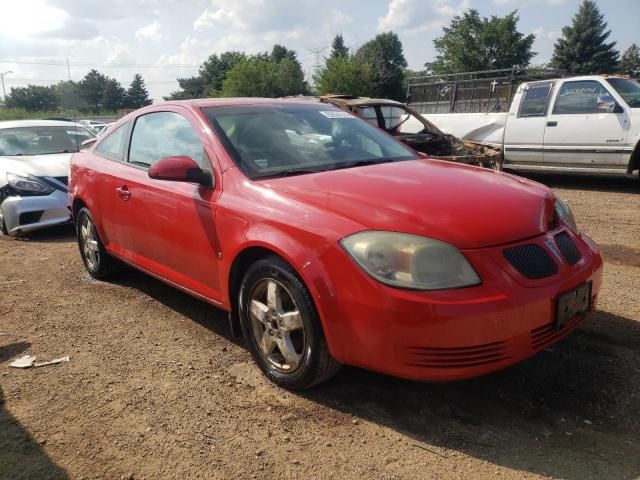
<point x="410" y="127"/>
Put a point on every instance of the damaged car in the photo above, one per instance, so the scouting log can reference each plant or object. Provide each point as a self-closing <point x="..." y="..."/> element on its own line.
<point x="34" y="169"/>
<point x="413" y="129"/>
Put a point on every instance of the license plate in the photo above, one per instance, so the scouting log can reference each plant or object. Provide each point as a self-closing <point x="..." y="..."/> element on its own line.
<point x="573" y="303"/>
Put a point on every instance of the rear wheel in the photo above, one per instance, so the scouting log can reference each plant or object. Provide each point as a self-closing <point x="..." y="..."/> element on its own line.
<point x="96" y="260"/>
<point x="281" y="326"/>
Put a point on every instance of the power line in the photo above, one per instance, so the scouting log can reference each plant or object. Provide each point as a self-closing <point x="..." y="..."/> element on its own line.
<point x="104" y="65"/>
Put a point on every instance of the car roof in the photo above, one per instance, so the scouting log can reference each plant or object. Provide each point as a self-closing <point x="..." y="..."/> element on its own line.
<point x="37" y="123"/>
<point x="216" y="102"/>
<point x="352" y="100"/>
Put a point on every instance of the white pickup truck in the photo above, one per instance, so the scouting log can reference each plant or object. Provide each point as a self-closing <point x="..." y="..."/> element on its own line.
<point x="588" y="124"/>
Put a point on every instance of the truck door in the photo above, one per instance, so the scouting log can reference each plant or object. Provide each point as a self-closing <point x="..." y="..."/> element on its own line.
<point x="524" y="130"/>
<point x="586" y="127"/>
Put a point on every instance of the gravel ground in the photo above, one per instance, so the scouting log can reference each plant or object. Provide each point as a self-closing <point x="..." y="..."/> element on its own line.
<point x="157" y="387"/>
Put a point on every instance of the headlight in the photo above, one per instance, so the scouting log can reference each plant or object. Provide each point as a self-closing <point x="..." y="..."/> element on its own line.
<point x="410" y="261"/>
<point x="565" y="215"/>
<point x="28" y="185"/>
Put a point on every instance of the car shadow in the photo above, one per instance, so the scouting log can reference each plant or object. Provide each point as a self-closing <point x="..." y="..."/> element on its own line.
<point x="601" y="183"/>
<point x="572" y="411"/>
<point x="21" y="456"/>
<point x="569" y="412"/>
<point x="59" y="234"/>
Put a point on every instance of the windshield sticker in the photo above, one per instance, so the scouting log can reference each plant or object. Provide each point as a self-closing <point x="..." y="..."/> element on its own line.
<point x="334" y="114"/>
<point x="262" y="162"/>
<point x="73" y="132"/>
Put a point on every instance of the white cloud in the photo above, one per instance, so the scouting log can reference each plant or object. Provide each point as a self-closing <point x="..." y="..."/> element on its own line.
<point x="28" y="17"/>
<point x="150" y="32"/>
<point x="414" y="16"/>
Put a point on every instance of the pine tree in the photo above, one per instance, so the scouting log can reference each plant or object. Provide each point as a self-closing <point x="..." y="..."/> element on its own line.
<point x="137" y="95"/>
<point x="630" y="62"/>
<point x="583" y="49"/>
<point x="338" y="48"/>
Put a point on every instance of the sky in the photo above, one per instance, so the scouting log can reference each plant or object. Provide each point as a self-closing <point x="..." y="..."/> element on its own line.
<point x="165" y="39"/>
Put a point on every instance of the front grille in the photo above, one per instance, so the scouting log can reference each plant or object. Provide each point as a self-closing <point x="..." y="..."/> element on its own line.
<point x="546" y="335"/>
<point x="569" y="250"/>
<point x="458" y="357"/>
<point x="30" y="217"/>
<point x="64" y="180"/>
<point x="531" y="260"/>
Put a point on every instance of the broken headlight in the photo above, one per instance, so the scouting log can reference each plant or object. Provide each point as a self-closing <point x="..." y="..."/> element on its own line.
<point x="410" y="261"/>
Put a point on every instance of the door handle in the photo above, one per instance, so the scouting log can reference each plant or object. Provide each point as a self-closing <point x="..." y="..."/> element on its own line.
<point x="552" y="124"/>
<point x="124" y="193"/>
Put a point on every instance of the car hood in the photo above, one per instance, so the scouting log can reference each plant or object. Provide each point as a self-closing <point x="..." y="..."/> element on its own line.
<point x="54" y="165"/>
<point x="469" y="207"/>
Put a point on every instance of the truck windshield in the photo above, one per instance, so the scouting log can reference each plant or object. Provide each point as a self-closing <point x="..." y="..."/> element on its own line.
<point x="629" y="90"/>
<point x="272" y="140"/>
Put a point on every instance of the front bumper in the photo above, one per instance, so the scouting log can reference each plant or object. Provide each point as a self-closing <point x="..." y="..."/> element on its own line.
<point x="449" y="334"/>
<point x="25" y="214"/>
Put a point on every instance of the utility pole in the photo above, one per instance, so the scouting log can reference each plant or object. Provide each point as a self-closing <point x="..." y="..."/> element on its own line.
<point x="317" y="52"/>
<point x="4" y="93"/>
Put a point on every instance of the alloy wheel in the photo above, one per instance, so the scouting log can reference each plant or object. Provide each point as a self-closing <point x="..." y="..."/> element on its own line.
<point x="277" y="326"/>
<point x="89" y="242"/>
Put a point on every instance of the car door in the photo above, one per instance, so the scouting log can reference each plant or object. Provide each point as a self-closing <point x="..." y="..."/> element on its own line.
<point x="174" y="222"/>
<point x="584" y="128"/>
<point x="524" y="130"/>
<point x="109" y="210"/>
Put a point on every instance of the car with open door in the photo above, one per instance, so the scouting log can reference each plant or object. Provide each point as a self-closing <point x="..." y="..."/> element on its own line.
<point x="330" y="242"/>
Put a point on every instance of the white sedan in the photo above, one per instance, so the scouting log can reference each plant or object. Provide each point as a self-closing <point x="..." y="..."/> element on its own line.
<point x="34" y="169"/>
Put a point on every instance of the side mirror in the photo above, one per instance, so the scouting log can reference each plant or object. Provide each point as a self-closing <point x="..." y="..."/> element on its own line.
<point x="608" y="103"/>
<point x="87" y="143"/>
<point x="180" y="169"/>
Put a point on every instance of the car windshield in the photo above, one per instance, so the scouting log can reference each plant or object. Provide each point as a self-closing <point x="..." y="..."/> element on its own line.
<point x="629" y="90"/>
<point x="271" y="140"/>
<point x="42" y="140"/>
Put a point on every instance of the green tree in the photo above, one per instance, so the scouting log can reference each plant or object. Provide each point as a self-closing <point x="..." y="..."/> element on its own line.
<point x="583" y="48"/>
<point x="69" y="96"/>
<point x="113" y="95"/>
<point x="630" y="62"/>
<point x="338" y="49"/>
<point x="345" y="75"/>
<point x="33" y="98"/>
<point x="263" y="76"/>
<point x="210" y="76"/>
<point x="91" y="89"/>
<point x="137" y="95"/>
<point x="471" y="43"/>
<point x="384" y="55"/>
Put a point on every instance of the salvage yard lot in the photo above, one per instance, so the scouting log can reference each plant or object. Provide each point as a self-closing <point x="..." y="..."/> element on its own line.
<point x="158" y="388"/>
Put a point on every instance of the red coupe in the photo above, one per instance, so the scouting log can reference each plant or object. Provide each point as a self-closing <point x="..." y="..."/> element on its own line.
<point x="332" y="243"/>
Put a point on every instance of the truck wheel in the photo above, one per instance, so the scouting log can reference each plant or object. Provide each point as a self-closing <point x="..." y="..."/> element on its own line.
<point x="281" y="326"/>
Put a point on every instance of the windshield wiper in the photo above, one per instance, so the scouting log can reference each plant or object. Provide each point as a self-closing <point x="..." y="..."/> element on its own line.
<point x="362" y="163"/>
<point x="288" y="173"/>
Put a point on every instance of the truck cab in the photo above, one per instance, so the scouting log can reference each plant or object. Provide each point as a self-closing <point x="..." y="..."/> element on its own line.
<point x="587" y="124"/>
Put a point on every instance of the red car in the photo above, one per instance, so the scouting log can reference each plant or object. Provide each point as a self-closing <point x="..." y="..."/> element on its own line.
<point x="332" y="243"/>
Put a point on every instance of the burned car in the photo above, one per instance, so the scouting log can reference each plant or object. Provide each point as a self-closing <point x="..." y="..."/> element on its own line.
<point x="413" y="129"/>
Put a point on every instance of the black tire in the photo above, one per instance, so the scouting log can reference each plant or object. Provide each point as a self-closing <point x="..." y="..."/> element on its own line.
<point x="3" y="226"/>
<point x="104" y="264"/>
<point x="316" y="363"/>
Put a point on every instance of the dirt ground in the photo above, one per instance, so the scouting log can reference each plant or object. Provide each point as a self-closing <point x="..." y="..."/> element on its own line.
<point x="157" y="387"/>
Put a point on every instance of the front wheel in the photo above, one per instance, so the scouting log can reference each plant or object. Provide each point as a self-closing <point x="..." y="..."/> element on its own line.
<point x="96" y="260"/>
<point x="281" y="326"/>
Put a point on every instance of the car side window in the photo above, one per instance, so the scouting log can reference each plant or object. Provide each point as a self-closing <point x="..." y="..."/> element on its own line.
<point x="164" y="134"/>
<point x="534" y="102"/>
<point x="112" y="146"/>
<point x="582" y="97"/>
